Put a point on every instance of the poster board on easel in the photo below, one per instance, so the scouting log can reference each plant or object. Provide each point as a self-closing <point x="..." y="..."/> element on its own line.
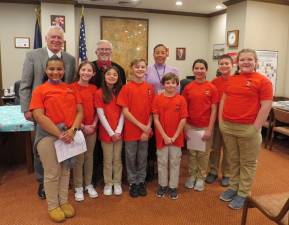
<point x="267" y="65"/>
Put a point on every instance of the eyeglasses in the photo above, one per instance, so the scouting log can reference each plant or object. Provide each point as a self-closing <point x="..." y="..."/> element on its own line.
<point x="104" y="49"/>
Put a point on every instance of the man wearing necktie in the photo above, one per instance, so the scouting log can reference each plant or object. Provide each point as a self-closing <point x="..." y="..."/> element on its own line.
<point x="33" y="74"/>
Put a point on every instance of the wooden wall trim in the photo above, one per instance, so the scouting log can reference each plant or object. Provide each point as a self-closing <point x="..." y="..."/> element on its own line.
<point x="280" y="2"/>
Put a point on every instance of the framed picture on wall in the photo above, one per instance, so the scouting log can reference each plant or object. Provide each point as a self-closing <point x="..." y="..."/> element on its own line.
<point x="129" y="37"/>
<point x="218" y="50"/>
<point x="22" y="42"/>
<point x="57" y="20"/>
<point x="180" y="53"/>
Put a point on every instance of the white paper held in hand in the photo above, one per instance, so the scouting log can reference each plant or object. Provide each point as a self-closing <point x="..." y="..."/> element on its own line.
<point x="66" y="151"/>
<point x="195" y="141"/>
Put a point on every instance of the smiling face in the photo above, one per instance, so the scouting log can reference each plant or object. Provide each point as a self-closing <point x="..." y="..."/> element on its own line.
<point x="54" y="39"/>
<point x="104" y="51"/>
<point x="225" y="66"/>
<point x="160" y="55"/>
<point x="170" y="86"/>
<point x="111" y="77"/>
<point x="55" y="70"/>
<point x="247" y="62"/>
<point x="200" y="72"/>
<point x="85" y="73"/>
<point x="138" y="70"/>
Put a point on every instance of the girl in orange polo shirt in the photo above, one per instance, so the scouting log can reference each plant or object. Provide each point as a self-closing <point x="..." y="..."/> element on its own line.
<point x="202" y="97"/>
<point x="82" y="171"/>
<point x="110" y="130"/>
<point x="244" y="107"/>
<point x="225" y="63"/>
<point x="58" y="112"/>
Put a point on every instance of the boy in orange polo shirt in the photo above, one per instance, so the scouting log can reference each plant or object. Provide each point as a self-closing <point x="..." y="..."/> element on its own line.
<point x="136" y="99"/>
<point x="170" y="112"/>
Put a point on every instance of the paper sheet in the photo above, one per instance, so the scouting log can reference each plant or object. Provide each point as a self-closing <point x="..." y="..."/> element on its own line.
<point x="195" y="141"/>
<point x="66" y="151"/>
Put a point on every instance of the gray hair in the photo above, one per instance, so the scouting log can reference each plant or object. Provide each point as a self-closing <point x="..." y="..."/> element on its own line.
<point x="102" y="42"/>
<point x="54" y="27"/>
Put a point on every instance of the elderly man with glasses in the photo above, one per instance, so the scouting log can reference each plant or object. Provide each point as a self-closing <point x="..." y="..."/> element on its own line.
<point x="103" y="52"/>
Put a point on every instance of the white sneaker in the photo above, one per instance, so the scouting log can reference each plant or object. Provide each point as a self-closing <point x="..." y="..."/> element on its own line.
<point x="199" y="185"/>
<point x="107" y="190"/>
<point x="79" y="194"/>
<point x="91" y="191"/>
<point x="117" y="189"/>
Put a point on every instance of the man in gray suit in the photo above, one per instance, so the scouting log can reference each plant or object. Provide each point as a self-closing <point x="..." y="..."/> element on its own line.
<point x="33" y="74"/>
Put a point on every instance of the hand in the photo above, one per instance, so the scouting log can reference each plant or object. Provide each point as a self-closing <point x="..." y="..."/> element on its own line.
<point x="89" y="129"/>
<point x="116" y="137"/>
<point x="173" y="139"/>
<point x="146" y="129"/>
<point x="67" y="136"/>
<point x="207" y="135"/>
<point x="144" y="136"/>
<point x="28" y="116"/>
<point x="167" y="140"/>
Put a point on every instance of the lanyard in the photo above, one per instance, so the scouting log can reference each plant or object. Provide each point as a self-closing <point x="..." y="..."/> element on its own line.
<point x="158" y="72"/>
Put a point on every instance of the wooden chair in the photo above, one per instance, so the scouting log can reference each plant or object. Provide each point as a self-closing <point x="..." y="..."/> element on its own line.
<point x="280" y="123"/>
<point x="275" y="207"/>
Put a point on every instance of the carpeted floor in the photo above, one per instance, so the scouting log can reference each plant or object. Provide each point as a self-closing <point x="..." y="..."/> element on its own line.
<point x="20" y="205"/>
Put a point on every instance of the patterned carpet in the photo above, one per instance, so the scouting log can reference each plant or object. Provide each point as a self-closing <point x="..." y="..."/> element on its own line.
<point x="20" y="205"/>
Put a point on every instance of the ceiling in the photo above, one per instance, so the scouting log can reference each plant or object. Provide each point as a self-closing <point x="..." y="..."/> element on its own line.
<point x="191" y="6"/>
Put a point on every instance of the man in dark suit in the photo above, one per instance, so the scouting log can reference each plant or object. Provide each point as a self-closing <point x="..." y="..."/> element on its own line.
<point x="33" y="74"/>
<point x="103" y="52"/>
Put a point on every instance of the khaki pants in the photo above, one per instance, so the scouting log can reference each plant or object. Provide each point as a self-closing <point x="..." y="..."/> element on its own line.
<point x="243" y="143"/>
<point x="215" y="155"/>
<point x="198" y="160"/>
<point x="112" y="165"/>
<point x="169" y="159"/>
<point x="56" y="176"/>
<point x="82" y="171"/>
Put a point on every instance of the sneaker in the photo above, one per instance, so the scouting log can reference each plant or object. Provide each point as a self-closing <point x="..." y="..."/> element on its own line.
<point x="56" y="215"/>
<point x="211" y="178"/>
<point x="142" y="191"/>
<point x="237" y="202"/>
<point x="161" y="192"/>
<point x="91" y="191"/>
<point x="225" y="181"/>
<point x="190" y="182"/>
<point x="133" y="190"/>
<point x="199" y="185"/>
<point x="107" y="190"/>
<point x="228" y="195"/>
<point x="173" y="193"/>
<point x="117" y="190"/>
<point x="79" y="194"/>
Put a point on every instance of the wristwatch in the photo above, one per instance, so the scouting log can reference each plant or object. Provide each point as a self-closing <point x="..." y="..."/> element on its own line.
<point x="74" y="129"/>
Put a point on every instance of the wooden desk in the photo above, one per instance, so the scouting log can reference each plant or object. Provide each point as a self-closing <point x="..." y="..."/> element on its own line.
<point x="15" y="130"/>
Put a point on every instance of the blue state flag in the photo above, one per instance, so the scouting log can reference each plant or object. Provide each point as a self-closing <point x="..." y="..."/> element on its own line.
<point x="37" y="34"/>
<point x="82" y="41"/>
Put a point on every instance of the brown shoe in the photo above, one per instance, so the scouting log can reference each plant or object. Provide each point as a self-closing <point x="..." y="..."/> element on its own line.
<point x="68" y="210"/>
<point x="56" y="215"/>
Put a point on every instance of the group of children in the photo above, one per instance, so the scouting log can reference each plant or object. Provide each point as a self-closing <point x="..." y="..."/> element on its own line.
<point x="125" y="113"/>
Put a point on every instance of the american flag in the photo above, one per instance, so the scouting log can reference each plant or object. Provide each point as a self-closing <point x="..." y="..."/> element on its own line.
<point x="37" y="32"/>
<point x="82" y="41"/>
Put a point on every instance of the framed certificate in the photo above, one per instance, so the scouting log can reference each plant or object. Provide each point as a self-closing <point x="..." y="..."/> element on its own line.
<point x="22" y="42"/>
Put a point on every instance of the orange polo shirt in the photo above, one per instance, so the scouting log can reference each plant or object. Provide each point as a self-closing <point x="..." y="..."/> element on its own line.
<point x="58" y="101"/>
<point x="220" y="83"/>
<point x="138" y="98"/>
<point x="243" y="95"/>
<point x="87" y="95"/>
<point x="200" y="97"/>
<point x="112" y="112"/>
<point x="170" y="110"/>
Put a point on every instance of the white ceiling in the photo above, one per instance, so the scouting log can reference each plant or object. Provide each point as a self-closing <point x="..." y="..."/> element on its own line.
<point x="193" y="6"/>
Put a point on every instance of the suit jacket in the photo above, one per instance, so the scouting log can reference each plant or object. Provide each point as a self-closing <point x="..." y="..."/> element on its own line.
<point x="97" y="79"/>
<point x="34" y="71"/>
